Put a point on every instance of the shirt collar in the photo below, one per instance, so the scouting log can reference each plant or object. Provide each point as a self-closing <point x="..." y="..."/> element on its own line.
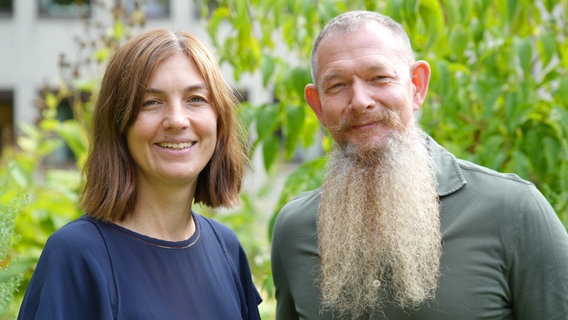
<point x="449" y="176"/>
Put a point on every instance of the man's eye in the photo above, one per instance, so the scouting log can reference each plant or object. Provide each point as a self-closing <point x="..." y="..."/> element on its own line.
<point x="379" y="78"/>
<point x="335" y="86"/>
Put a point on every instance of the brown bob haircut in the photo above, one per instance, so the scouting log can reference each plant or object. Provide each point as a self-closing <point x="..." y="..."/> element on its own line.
<point x="109" y="193"/>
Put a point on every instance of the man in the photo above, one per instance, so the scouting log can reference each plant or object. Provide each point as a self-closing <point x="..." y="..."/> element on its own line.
<point x="400" y="228"/>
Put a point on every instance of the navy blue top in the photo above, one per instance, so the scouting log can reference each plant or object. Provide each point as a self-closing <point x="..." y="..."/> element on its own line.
<point x="94" y="270"/>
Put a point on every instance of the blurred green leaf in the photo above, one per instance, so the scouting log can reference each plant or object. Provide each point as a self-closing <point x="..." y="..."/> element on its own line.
<point x="459" y="39"/>
<point x="561" y="93"/>
<point x="270" y="147"/>
<point x="267" y="120"/>
<point x="524" y="54"/>
<point x="293" y="129"/>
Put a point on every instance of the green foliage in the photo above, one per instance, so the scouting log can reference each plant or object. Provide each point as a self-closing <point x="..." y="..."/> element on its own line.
<point x="498" y="94"/>
<point x="9" y="278"/>
<point x="27" y="170"/>
<point x="50" y="195"/>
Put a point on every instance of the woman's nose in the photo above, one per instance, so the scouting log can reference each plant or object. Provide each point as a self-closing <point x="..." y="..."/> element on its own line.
<point x="176" y="117"/>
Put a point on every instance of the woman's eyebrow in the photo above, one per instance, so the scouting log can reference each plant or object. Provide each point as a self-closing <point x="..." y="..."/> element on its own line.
<point x="190" y="88"/>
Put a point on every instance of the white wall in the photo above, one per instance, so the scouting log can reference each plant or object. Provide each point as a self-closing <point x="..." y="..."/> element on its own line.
<point x="30" y="47"/>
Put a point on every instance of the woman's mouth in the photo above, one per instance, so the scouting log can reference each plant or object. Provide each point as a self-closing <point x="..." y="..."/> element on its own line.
<point x="176" y="146"/>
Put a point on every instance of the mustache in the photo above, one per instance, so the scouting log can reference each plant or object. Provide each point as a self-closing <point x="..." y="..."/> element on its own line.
<point x="386" y="117"/>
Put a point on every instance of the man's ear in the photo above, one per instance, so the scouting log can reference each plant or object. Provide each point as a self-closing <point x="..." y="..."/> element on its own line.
<point x="420" y="80"/>
<point x="312" y="97"/>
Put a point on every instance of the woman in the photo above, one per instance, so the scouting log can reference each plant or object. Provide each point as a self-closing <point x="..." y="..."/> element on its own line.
<point x="165" y="135"/>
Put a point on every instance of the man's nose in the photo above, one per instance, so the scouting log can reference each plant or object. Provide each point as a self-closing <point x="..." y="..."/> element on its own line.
<point x="361" y="98"/>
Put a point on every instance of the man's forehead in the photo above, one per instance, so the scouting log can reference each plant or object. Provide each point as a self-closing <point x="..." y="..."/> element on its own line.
<point x="372" y="64"/>
<point x="357" y="56"/>
<point x="369" y="26"/>
<point x="370" y="37"/>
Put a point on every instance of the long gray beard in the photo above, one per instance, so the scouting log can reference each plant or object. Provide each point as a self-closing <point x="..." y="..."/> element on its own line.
<point x="379" y="227"/>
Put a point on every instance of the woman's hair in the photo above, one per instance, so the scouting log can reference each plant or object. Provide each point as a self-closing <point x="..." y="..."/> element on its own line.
<point x="109" y="193"/>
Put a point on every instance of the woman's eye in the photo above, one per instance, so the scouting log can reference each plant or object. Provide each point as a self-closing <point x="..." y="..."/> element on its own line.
<point x="197" y="99"/>
<point x="149" y="103"/>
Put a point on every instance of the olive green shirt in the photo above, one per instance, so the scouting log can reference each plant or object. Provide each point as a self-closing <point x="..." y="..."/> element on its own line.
<point x="505" y="252"/>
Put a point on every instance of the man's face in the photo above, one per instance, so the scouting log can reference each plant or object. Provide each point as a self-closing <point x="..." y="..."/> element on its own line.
<point x="361" y="75"/>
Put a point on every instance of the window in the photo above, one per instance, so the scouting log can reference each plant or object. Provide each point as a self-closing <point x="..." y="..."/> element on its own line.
<point x="6" y="118"/>
<point x="64" y="8"/>
<point x="210" y="4"/>
<point x="6" y="8"/>
<point x="153" y="9"/>
<point x="63" y="156"/>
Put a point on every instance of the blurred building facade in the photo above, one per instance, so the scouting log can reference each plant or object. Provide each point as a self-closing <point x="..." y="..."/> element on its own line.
<point x="34" y="34"/>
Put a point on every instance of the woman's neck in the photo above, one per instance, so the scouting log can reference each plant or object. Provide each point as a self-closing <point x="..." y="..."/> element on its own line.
<point x="162" y="214"/>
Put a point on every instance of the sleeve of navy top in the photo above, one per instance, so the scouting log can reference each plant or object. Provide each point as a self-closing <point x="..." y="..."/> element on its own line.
<point x="239" y="259"/>
<point x="71" y="279"/>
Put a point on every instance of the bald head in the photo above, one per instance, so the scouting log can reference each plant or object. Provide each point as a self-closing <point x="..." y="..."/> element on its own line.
<point x="354" y="20"/>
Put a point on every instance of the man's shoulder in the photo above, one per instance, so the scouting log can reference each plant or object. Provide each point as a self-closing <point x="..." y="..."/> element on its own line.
<point x="305" y="201"/>
<point x="453" y="174"/>
<point x="299" y="211"/>
<point x="473" y="171"/>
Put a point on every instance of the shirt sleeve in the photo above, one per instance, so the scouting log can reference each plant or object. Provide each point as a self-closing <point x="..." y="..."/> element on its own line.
<point x="285" y="307"/>
<point x="70" y="280"/>
<point x="240" y="263"/>
<point x="252" y="296"/>
<point x="539" y="277"/>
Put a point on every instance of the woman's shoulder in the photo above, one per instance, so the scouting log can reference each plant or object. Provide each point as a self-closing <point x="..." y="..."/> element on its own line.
<point x="218" y="227"/>
<point x="79" y="235"/>
<point x="82" y="227"/>
<point x="219" y="230"/>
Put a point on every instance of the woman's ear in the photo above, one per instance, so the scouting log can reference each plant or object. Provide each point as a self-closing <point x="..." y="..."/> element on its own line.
<point x="420" y="80"/>
<point x="312" y="97"/>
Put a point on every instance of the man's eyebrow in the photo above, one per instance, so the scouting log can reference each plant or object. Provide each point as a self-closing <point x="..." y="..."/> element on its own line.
<point x="329" y="77"/>
<point x="382" y="68"/>
<point x="379" y="67"/>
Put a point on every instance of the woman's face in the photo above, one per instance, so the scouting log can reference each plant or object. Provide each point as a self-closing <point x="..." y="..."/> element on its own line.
<point x="175" y="132"/>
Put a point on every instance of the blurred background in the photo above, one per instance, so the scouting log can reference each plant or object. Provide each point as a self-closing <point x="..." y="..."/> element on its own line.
<point x="498" y="96"/>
